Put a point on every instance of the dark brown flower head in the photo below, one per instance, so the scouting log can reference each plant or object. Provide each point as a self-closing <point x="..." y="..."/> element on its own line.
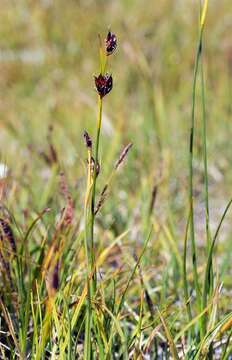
<point x="88" y="140"/>
<point x="104" y="84"/>
<point x="111" y="43"/>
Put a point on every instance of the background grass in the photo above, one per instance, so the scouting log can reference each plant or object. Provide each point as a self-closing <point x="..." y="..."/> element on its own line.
<point x="48" y="55"/>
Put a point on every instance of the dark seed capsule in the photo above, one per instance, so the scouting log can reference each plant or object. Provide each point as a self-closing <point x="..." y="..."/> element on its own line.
<point x="111" y="43"/>
<point x="104" y="84"/>
<point x="88" y="140"/>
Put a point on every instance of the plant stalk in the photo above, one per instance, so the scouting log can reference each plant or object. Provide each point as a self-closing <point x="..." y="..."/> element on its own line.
<point x="92" y="220"/>
<point x="191" y="141"/>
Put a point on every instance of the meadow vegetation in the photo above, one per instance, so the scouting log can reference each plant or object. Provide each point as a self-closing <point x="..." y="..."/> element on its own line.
<point x="115" y="192"/>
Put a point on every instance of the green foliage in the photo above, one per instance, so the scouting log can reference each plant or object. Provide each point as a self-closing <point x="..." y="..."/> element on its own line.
<point x="133" y="262"/>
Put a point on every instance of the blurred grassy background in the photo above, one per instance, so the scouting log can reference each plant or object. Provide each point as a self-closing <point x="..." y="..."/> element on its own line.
<point x="48" y="56"/>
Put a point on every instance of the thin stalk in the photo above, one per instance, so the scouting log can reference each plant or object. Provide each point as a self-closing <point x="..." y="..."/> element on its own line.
<point x="86" y="211"/>
<point x="191" y="140"/>
<point x="206" y="196"/>
<point x="185" y="279"/>
<point x="103" y="63"/>
<point x="204" y="138"/>
<point x="88" y="325"/>
<point x="91" y="320"/>
<point x="206" y="185"/>
<point x="88" y="320"/>
<point x="92" y="220"/>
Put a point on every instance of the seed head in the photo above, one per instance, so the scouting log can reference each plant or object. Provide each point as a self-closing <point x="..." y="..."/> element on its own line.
<point x="88" y="140"/>
<point x="122" y="155"/>
<point x="102" y="199"/>
<point x="104" y="84"/>
<point x="111" y="43"/>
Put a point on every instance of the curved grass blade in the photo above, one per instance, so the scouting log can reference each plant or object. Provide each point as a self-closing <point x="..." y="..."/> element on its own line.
<point x="207" y="279"/>
<point x="133" y="273"/>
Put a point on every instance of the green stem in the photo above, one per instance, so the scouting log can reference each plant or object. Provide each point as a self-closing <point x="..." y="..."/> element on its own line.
<point x="206" y="195"/>
<point x="204" y="136"/>
<point x="185" y="279"/>
<point x="99" y="121"/>
<point x="88" y="325"/>
<point x="192" y="230"/>
<point x="89" y="240"/>
<point x="88" y="320"/>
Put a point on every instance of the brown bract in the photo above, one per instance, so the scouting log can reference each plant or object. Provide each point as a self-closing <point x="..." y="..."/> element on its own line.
<point x="104" y="84"/>
<point x="111" y="43"/>
<point x="88" y="140"/>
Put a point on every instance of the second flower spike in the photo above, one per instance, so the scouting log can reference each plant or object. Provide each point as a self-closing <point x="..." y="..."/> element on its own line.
<point x="111" y="43"/>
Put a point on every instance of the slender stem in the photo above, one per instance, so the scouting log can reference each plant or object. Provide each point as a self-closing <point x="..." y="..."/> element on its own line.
<point x="86" y="211"/>
<point x="185" y="280"/>
<point x="204" y="136"/>
<point x="99" y="121"/>
<point x="89" y="238"/>
<point x="88" y="320"/>
<point x="208" y="288"/>
<point x="88" y="325"/>
<point x="192" y="229"/>
<point x="206" y="188"/>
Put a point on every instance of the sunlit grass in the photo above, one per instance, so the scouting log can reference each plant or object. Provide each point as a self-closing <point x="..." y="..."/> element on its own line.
<point x="118" y="251"/>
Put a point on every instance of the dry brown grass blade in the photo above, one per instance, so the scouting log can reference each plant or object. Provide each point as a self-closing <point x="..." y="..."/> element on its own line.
<point x="151" y="337"/>
<point x="10" y="325"/>
<point x="169" y="337"/>
<point x="226" y="326"/>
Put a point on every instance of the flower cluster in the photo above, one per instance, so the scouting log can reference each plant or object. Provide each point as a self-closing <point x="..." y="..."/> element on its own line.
<point x="104" y="82"/>
<point x="111" y="43"/>
<point x="88" y="140"/>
